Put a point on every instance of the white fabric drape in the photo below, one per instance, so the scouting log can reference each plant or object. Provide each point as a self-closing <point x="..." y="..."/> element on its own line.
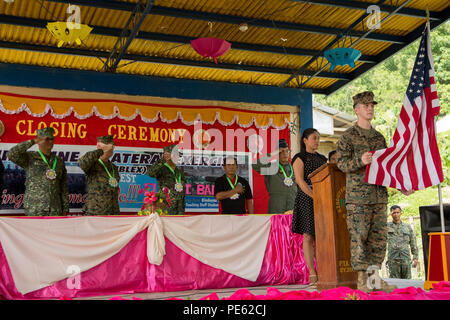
<point x="235" y="244"/>
<point x="39" y="251"/>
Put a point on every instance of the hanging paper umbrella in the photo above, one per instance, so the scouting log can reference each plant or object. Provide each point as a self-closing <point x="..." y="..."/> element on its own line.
<point x="342" y="56"/>
<point x="210" y="47"/>
<point x="65" y="33"/>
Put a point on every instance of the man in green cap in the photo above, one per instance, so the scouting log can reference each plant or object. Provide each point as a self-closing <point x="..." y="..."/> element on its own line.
<point x="46" y="189"/>
<point x="169" y="175"/>
<point x="366" y="204"/>
<point x="280" y="182"/>
<point x="102" y="179"/>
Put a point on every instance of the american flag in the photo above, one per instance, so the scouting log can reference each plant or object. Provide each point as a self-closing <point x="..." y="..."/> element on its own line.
<point x="412" y="160"/>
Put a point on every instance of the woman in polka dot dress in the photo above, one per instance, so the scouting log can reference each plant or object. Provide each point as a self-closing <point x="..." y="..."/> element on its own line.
<point x="305" y="162"/>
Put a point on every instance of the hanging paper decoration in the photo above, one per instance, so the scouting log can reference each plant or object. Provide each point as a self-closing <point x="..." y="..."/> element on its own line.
<point x="210" y="47"/>
<point x="61" y="31"/>
<point x="342" y="56"/>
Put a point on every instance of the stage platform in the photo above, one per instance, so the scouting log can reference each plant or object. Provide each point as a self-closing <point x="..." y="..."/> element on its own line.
<point x="227" y="292"/>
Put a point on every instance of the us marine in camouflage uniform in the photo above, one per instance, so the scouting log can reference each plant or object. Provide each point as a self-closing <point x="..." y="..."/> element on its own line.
<point x="168" y="177"/>
<point x="103" y="192"/>
<point x="46" y="191"/>
<point x="400" y="238"/>
<point x="365" y="203"/>
<point x="281" y="196"/>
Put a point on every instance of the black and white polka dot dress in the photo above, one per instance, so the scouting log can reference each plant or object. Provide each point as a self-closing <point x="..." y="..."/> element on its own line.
<point x="303" y="215"/>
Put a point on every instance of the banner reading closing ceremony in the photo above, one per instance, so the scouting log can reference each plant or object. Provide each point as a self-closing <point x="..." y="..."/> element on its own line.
<point x="203" y="134"/>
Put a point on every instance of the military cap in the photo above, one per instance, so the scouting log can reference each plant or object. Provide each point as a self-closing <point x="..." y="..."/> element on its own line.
<point x="46" y="132"/>
<point x="282" y="144"/>
<point x="169" y="148"/>
<point x="364" y="98"/>
<point x="106" y="139"/>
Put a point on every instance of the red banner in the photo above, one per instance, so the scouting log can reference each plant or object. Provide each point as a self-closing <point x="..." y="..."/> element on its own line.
<point x="74" y="132"/>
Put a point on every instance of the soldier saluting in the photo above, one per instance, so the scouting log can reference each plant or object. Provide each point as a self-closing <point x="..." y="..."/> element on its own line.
<point x="169" y="175"/>
<point x="46" y="189"/>
<point x="102" y="179"/>
<point x="280" y="184"/>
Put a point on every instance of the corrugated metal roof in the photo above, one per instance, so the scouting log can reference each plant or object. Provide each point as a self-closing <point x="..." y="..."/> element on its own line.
<point x="283" y="37"/>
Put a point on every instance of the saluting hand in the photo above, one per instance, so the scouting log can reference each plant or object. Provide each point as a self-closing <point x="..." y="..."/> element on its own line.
<point x="40" y="140"/>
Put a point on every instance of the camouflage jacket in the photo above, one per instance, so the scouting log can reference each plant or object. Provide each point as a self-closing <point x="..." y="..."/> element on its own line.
<point x="102" y="199"/>
<point x="166" y="178"/>
<point x="351" y="146"/>
<point x="42" y="196"/>
<point x="400" y="238"/>
<point x="281" y="197"/>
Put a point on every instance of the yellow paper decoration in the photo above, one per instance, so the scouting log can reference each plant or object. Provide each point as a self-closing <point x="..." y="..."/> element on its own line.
<point x="68" y="33"/>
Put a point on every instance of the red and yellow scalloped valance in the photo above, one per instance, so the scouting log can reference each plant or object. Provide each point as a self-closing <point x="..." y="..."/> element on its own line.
<point x="109" y="109"/>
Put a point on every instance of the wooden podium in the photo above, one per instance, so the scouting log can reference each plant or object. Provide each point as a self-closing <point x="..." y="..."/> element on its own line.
<point x="332" y="238"/>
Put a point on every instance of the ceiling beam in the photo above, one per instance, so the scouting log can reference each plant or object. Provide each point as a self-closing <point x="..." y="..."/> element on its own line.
<point x="114" y="32"/>
<point x="161" y="60"/>
<point x="126" y="36"/>
<point x="221" y="18"/>
<point x="359" y="5"/>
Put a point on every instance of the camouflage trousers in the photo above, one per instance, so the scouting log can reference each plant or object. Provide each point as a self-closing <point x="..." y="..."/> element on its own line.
<point x="367" y="226"/>
<point x="399" y="270"/>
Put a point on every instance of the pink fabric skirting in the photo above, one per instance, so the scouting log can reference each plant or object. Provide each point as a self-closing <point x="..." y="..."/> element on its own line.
<point x="130" y="272"/>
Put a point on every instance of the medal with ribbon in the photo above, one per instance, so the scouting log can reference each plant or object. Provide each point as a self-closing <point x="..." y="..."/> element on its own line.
<point x="178" y="184"/>
<point x="236" y="195"/>
<point x="112" y="181"/>
<point x="288" y="181"/>
<point x="50" y="173"/>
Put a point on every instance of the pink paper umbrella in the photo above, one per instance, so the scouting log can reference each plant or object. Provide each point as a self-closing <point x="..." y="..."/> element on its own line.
<point x="210" y="47"/>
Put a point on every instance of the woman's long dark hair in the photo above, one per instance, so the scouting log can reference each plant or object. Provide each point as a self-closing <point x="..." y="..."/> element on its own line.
<point x="305" y="135"/>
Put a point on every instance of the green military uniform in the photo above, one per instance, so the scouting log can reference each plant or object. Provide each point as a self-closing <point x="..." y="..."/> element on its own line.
<point x="102" y="197"/>
<point x="167" y="178"/>
<point x="281" y="196"/>
<point x="43" y="196"/>
<point x="400" y="238"/>
<point x="366" y="203"/>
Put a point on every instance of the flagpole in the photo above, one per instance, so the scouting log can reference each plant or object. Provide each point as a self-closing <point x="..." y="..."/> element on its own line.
<point x="441" y="205"/>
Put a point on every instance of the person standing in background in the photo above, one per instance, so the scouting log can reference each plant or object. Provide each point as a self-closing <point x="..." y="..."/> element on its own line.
<point x="304" y="163"/>
<point x="400" y="239"/>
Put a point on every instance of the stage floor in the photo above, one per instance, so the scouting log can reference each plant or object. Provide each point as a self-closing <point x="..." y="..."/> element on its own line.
<point x="226" y="292"/>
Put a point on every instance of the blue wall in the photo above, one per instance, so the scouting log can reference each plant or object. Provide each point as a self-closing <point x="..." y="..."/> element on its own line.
<point x="41" y="77"/>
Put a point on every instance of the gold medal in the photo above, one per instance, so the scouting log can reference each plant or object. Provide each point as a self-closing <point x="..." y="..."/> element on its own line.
<point x="113" y="182"/>
<point x="178" y="187"/>
<point x="235" y="196"/>
<point x="50" y="174"/>
<point x="288" y="182"/>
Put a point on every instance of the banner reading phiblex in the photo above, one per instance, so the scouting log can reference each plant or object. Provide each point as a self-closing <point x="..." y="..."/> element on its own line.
<point x="139" y="142"/>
